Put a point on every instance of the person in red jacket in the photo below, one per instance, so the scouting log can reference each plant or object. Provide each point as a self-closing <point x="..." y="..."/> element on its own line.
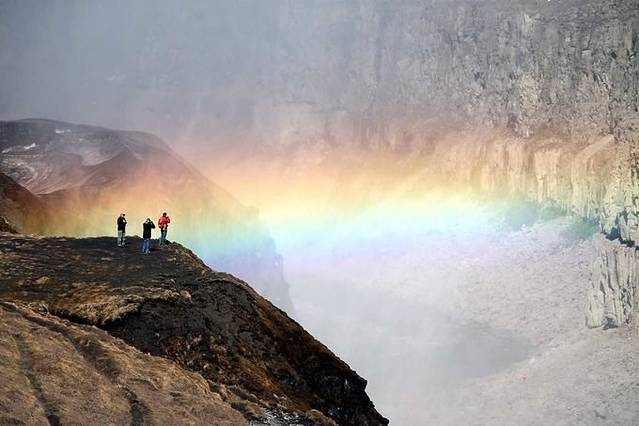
<point x="163" y="223"/>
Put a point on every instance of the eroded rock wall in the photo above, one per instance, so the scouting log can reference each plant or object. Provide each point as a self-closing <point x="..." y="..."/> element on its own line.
<point x="575" y="177"/>
<point x="592" y="179"/>
<point x="612" y="298"/>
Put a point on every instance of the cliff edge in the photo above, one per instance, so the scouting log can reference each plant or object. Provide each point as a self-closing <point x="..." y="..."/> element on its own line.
<point x="210" y="325"/>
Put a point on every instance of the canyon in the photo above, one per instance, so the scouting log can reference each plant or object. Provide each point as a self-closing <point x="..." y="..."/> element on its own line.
<point x="433" y="178"/>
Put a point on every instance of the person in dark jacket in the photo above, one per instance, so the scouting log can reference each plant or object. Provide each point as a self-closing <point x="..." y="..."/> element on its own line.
<point x="121" y="229"/>
<point x="147" y="226"/>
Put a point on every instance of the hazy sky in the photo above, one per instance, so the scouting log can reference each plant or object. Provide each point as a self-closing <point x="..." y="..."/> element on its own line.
<point x="150" y="65"/>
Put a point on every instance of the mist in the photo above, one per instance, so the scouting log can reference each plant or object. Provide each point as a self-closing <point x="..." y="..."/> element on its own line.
<point x="328" y="118"/>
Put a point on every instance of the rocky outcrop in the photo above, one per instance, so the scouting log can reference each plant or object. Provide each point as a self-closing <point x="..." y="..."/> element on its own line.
<point x="102" y="172"/>
<point x="169" y="304"/>
<point x="612" y="298"/>
<point x="56" y="372"/>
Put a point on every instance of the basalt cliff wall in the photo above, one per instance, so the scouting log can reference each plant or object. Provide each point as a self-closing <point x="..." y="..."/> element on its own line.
<point x="581" y="178"/>
<point x="537" y="99"/>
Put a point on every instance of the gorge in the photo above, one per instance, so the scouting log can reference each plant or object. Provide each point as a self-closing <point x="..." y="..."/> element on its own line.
<point x="445" y="192"/>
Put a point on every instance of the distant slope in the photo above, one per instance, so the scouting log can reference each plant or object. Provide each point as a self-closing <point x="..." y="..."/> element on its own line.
<point x="20" y="210"/>
<point x="170" y="304"/>
<point x="87" y="175"/>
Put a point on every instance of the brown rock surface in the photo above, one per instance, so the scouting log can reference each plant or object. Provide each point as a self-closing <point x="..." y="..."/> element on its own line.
<point x="56" y="372"/>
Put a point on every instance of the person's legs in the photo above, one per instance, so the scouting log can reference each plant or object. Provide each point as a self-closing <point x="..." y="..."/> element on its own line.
<point x="146" y="245"/>
<point x="163" y="236"/>
<point x="120" y="238"/>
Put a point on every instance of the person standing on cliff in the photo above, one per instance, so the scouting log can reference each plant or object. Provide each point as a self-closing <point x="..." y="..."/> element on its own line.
<point x="121" y="229"/>
<point x="163" y="223"/>
<point x="147" y="226"/>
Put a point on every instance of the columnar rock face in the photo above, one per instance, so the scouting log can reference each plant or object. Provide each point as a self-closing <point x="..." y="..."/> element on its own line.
<point x="612" y="299"/>
<point x="575" y="177"/>
<point x="578" y="177"/>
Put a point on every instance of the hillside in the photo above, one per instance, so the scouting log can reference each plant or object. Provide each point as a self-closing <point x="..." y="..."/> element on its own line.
<point x="170" y="305"/>
<point x="20" y="210"/>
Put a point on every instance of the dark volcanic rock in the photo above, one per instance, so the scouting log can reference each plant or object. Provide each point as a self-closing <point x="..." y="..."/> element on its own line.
<point x="171" y="305"/>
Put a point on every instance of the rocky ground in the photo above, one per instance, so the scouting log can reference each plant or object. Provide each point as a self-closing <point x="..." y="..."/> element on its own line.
<point x="209" y="327"/>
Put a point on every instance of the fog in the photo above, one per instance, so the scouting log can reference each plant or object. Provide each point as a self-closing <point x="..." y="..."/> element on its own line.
<point x="257" y="94"/>
<point x="159" y="66"/>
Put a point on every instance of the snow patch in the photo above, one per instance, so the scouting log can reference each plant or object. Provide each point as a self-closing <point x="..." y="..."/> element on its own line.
<point x="18" y="148"/>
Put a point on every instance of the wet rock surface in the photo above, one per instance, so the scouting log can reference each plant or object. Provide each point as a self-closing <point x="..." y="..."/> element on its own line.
<point x="169" y="304"/>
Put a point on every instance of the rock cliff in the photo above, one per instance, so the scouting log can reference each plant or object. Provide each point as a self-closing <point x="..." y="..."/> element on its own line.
<point x="539" y="98"/>
<point x="252" y="356"/>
